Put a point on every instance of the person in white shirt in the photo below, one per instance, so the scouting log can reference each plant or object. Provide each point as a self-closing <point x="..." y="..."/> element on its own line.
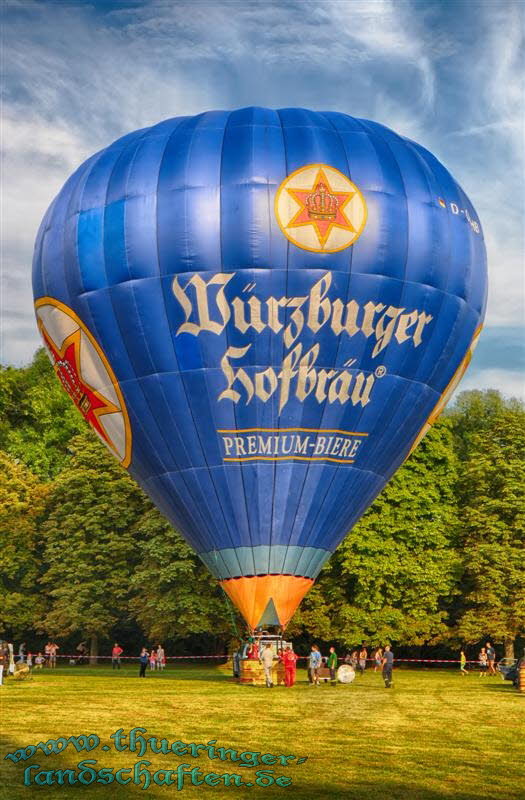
<point x="266" y="659"/>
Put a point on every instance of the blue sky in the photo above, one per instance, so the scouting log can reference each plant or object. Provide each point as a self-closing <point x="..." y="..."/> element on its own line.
<point x="447" y="74"/>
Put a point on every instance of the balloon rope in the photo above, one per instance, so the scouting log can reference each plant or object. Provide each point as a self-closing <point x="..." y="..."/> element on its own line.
<point x="232" y="615"/>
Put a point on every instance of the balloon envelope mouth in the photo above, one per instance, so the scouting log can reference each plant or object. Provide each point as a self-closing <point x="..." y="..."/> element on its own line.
<point x="267" y="599"/>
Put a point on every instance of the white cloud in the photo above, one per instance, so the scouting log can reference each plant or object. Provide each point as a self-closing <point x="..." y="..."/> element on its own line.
<point x="388" y="30"/>
<point x="37" y="156"/>
<point x="509" y="383"/>
<point x="506" y="275"/>
<point x="504" y="83"/>
<point x="491" y="141"/>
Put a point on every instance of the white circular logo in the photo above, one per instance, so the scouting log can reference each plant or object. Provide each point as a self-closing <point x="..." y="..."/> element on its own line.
<point x="320" y="209"/>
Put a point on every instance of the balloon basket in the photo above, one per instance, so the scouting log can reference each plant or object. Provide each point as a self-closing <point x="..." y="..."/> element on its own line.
<point x="252" y="674"/>
<point x="250" y="670"/>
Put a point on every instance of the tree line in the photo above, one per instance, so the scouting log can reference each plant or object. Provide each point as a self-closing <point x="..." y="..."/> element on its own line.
<point x="437" y="560"/>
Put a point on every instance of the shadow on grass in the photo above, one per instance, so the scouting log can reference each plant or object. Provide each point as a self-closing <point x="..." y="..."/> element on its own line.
<point x="394" y="790"/>
<point x="186" y="672"/>
<point x="509" y="688"/>
<point x="314" y="789"/>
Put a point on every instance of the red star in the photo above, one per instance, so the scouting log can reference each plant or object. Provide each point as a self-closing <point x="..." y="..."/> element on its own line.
<point x="322" y="226"/>
<point x="66" y="362"/>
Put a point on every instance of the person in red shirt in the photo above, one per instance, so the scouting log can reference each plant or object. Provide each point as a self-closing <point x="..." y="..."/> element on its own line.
<point x="289" y="659"/>
<point x="115" y="655"/>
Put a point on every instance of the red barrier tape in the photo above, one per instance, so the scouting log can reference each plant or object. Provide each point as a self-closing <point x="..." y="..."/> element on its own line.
<point x="189" y="658"/>
<point x="87" y="657"/>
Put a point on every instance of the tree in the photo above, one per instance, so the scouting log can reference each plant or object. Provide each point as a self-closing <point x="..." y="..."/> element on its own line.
<point x="21" y="503"/>
<point x="474" y="411"/>
<point x="38" y="419"/>
<point x="174" y="595"/>
<point x="89" y="546"/>
<point x="492" y="496"/>
<point x="393" y="576"/>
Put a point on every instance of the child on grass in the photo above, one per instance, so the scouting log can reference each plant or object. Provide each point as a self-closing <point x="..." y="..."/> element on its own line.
<point x="462" y="663"/>
<point x="483" y="662"/>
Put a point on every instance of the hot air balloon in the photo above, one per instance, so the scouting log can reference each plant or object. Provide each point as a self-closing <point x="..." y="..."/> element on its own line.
<point x="260" y="313"/>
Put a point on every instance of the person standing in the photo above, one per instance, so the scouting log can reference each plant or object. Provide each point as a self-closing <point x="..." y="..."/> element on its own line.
<point x="388" y="665"/>
<point x="491" y="658"/>
<point x="332" y="665"/>
<point x="143" y="659"/>
<point x="11" y="655"/>
<point x="82" y="652"/>
<point x="247" y="649"/>
<point x="266" y="660"/>
<point x="39" y="661"/>
<point x="363" y="655"/>
<point x="462" y="663"/>
<point x="46" y="653"/>
<point x="315" y="661"/>
<point x="30" y="660"/>
<point x="236" y="662"/>
<point x="152" y="659"/>
<point x="289" y="660"/>
<point x="53" y="647"/>
<point x="161" y="657"/>
<point x="21" y="653"/>
<point x="483" y="662"/>
<point x="378" y="658"/>
<point x="115" y="655"/>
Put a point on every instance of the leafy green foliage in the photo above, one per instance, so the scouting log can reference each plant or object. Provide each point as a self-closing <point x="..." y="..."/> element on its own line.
<point x="492" y="496"/>
<point x="89" y="547"/>
<point x="173" y="594"/>
<point x="392" y="576"/>
<point x="37" y="418"/>
<point x="21" y="503"/>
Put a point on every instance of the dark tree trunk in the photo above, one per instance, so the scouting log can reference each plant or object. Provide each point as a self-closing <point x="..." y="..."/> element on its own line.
<point x="93" y="650"/>
<point x="508" y="645"/>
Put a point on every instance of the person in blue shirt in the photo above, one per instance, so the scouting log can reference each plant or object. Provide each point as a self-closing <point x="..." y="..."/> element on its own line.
<point x="491" y="658"/>
<point x="144" y="658"/>
<point x="314" y="663"/>
<point x="388" y="666"/>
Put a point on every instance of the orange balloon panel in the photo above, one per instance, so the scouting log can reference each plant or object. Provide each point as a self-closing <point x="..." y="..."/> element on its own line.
<point x="267" y="599"/>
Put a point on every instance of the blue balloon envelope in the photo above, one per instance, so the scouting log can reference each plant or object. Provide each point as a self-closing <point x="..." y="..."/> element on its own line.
<point x="260" y="313"/>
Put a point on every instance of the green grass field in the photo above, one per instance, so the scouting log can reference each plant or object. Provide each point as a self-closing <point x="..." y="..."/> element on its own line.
<point x="433" y="735"/>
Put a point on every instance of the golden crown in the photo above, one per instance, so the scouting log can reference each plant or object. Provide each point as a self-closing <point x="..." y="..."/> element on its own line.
<point x="321" y="204"/>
